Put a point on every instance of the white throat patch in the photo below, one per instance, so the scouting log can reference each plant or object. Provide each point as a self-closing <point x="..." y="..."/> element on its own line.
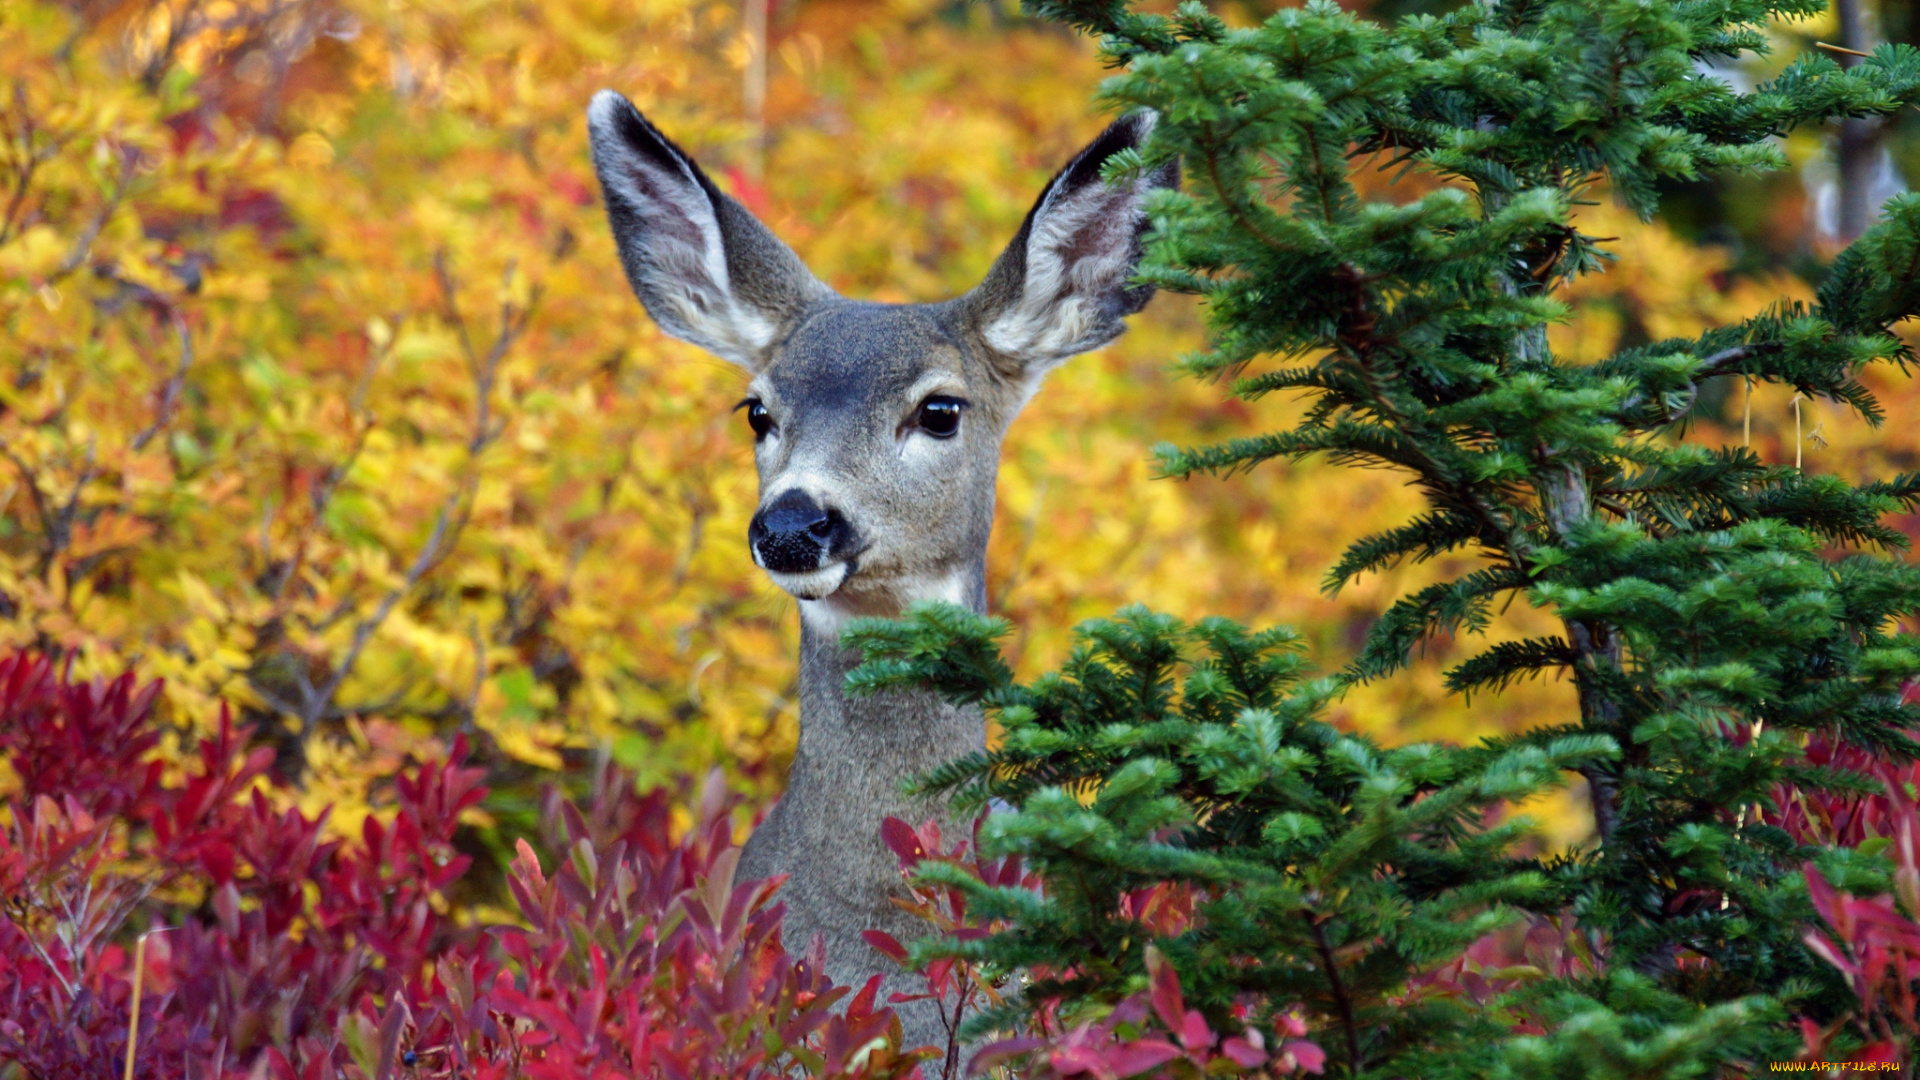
<point x="830" y="613"/>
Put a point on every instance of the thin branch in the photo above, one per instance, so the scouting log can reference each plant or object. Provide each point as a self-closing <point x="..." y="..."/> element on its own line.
<point x="1340" y="999"/>
<point x="951" y="1064"/>
<point x="370" y="708"/>
<point x="341" y="609"/>
<point x="22" y="183"/>
<point x="279" y="704"/>
<point x="1725" y="362"/>
<point x="430" y="555"/>
<point x="454" y="513"/>
<point x="45" y="959"/>
<point x="72" y="508"/>
<point x="1619" y="508"/>
<point x="83" y="244"/>
<point x="55" y="525"/>
<point x="170" y="390"/>
<point x="31" y="160"/>
<point x="323" y="492"/>
<point x="180" y="26"/>
<point x="450" y="306"/>
<point x="479" y="674"/>
<point x="32" y="480"/>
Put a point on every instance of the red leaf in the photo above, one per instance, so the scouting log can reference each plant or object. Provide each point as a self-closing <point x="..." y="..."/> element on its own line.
<point x="1821" y="947"/>
<point x="939" y="974"/>
<point x="1167" y="1001"/>
<point x="1138" y="1056"/>
<point x="527" y="864"/>
<point x="861" y="1006"/>
<point x="904" y="842"/>
<point x="1309" y="1055"/>
<point x="1003" y="1052"/>
<point x="886" y="943"/>
<point x="1822" y="894"/>
<point x="1073" y="1060"/>
<point x="1814" y="1039"/>
<point x="1878" y="1052"/>
<point x="1194" y="1032"/>
<point x="1243" y="1051"/>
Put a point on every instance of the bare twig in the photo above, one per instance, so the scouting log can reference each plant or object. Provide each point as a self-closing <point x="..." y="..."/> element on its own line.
<point x="479" y="674"/>
<point x="1619" y="508"/>
<point x="450" y="306"/>
<point x="1798" y="444"/>
<point x="72" y="509"/>
<point x="321" y="497"/>
<point x="1339" y="991"/>
<point x="32" y="480"/>
<point x="50" y="965"/>
<point x="83" y="244"/>
<point x="30" y="161"/>
<point x="1746" y="415"/>
<point x="951" y="1064"/>
<point x="430" y="555"/>
<point x="133" y="1008"/>
<point x="1725" y="362"/>
<point x="454" y="513"/>
<point x="56" y="526"/>
<point x="170" y="390"/>
<point x="180" y="26"/>
<point x="1832" y="48"/>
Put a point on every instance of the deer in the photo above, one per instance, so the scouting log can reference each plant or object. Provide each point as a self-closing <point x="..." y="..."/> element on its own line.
<point x="877" y="431"/>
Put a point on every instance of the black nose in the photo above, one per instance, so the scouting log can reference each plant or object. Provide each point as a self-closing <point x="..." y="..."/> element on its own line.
<point x="794" y="535"/>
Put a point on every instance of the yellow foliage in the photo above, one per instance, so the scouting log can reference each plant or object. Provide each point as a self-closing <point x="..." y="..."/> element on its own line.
<point x="326" y="397"/>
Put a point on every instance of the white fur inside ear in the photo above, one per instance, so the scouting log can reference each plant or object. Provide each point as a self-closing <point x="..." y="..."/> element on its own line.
<point x="684" y="274"/>
<point x="1079" y="254"/>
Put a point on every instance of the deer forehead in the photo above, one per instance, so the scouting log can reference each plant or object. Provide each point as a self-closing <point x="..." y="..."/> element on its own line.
<point x="855" y="366"/>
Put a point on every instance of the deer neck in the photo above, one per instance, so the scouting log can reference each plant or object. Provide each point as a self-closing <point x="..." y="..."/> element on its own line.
<point x="855" y="752"/>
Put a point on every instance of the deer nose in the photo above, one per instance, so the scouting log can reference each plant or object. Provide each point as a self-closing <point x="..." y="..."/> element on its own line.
<point x="793" y="534"/>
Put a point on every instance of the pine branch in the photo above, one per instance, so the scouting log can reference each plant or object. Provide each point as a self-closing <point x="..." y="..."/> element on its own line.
<point x="1423" y="538"/>
<point x="1501" y="665"/>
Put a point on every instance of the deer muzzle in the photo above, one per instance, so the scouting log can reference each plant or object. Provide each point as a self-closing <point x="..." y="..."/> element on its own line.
<point x="807" y="549"/>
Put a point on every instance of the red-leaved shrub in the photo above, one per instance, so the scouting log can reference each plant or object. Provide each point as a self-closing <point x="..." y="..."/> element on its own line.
<point x="1150" y="1033"/>
<point x="1874" y="941"/>
<point x="292" y="955"/>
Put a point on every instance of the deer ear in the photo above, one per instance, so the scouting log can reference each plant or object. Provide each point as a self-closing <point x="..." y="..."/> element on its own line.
<point x="706" y="269"/>
<point x="1062" y="287"/>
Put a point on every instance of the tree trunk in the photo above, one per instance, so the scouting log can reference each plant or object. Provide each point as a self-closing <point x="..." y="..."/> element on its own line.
<point x="1858" y="152"/>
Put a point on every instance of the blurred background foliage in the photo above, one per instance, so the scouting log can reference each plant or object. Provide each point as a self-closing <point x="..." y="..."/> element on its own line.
<point x="323" y="394"/>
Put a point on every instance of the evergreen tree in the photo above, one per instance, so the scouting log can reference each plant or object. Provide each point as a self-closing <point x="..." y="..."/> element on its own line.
<point x="1306" y="844"/>
<point x="1707" y="622"/>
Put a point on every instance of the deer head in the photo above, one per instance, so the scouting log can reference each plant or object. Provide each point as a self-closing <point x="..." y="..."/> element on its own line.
<point x="877" y="427"/>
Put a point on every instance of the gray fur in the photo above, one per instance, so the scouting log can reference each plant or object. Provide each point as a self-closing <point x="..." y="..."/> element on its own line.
<point x="842" y="383"/>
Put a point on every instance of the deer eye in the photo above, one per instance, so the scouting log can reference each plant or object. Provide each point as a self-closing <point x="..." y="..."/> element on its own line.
<point x="939" y="416"/>
<point x="758" y="418"/>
